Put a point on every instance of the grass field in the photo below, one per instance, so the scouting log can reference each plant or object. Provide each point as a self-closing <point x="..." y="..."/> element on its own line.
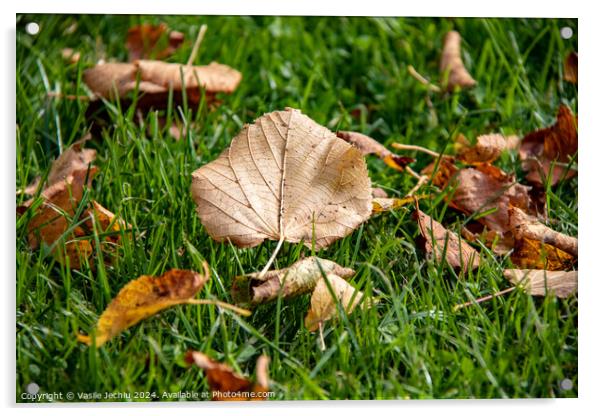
<point x="345" y="73"/>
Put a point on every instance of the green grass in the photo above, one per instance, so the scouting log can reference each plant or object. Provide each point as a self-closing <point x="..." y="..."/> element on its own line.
<point x="345" y="73"/>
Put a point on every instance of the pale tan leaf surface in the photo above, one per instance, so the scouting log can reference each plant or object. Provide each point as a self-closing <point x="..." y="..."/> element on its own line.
<point x="442" y="243"/>
<point x="226" y="384"/>
<point x="323" y="305"/>
<point x="454" y="74"/>
<point x="142" y="298"/>
<point x="283" y="177"/>
<point x="300" y="278"/>
<point x="379" y="193"/>
<point x="526" y="226"/>
<point x="540" y="282"/>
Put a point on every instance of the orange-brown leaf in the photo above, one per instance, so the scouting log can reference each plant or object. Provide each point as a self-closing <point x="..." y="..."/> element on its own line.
<point x="487" y="149"/>
<point x="226" y="384"/>
<point x="570" y="68"/>
<point x="533" y="254"/>
<point x="143" y="41"/>
<point x="369" y="146"/>
<point x="142" y="298"/>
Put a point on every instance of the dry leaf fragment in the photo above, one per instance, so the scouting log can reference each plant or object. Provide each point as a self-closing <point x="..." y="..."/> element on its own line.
<point x="487" y="149"/>
<point x="283" y="178"/>
<point x="300" y="278"/>
<point x="72" y="159"/>
<point x="323" y="305"/>
<point x="454" y="74"/>
<point x="526" y="226"/>
<point x="441" y="173"/>
<point x="570" y="68"/>
<point x="368" y="146"/>
<point x="440" y="242"/>
<point x="554" y="145"/>
<point x="157" y="77"/>
<point x="144" y="40"/>
<point x="389" y="204"/>
<point x="226" y="384"/>
<point x="541" y="282"/>
<point x="144" y="297"/>
<point x="70" y="55"/>
<point x="379" y="193"/>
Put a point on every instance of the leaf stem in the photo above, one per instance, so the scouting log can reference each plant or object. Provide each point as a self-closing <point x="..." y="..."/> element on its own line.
<point x="414" y="74"/>
<point x="483" y="299"/>
<point x="240" y="311"/>
<point x="271" y="260"/>
<point x="402" y="146"/>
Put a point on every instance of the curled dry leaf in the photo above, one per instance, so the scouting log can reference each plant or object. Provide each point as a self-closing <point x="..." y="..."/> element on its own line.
<point x="226" y="384"/>
<point x="454" y="74"/>
<point x="143" y="41"/>
<point x="487" y="149"/>
<point x="284" y="178"/>
<point x="441" y="172"/>
<point x="551" y="146"/>
<point x="570" y="68"/>
<point x="157" y="77"/>
<point x="541" y="282"/>
<point x="440" y="242"/>
<point x="389" y="204"/>
<point x="323" y="305"/>
<point x="527" y="227"/>
<point x="300" y="278"/>
<point x="533" y="254"/>
<point x="368" y="146"/>
<point x="144" y="297"/>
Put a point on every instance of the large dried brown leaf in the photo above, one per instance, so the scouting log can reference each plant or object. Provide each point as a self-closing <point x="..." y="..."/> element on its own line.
<point x="454" y="73"/>
<point x="157" y="77"/>
<point x="226" y="384"/>
<point x="143" y="41"/>
<point x="369" y="146"/>
<point x="142" y="298"/>
<point x="533" y="254"/>
<point x="441" y="243"/>
<point x="525" y="226"/>
<point x="542" y="282"/>
<point x="284" y="177"/>
<point x="323" y="304"/>
<point x="300" y="278"/>
<point x="544" y="148"/>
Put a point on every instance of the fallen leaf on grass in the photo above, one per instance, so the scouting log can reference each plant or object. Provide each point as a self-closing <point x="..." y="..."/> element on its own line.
<point x="389" y="204"/>
<point x="541" y="282"/>
<point x="70" y="55"/>
<point x="283" y="178"/>
<point x="440" y="242"/>
<point x="323" y="304"/>
<point x="226" y="384"/>
<point x="487" y="149"/>
<point x="570" y="68"/>
<point x="143" y="41"/>
<point x="441" y="172"/>
<point x="156" y="78"/>
<point x="454" y="73"/>
<point x="526" y="226"/>
<point x="551" y="146"/>
<point x="300" y="278"/>
<point x="144" y="297"/>
<point x="533" y="254"/>
<point x="368" y="146"/>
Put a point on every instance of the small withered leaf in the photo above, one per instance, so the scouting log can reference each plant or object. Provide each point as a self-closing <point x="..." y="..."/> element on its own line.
<point x="143" y="41"/>
<point x="541" y="282"/>
<point x="389" y="204"/>
<point x="142" y="298"/>
<point x="323" y="304"/>
<point x="570" y="68"/>
<point x="226" y="384"/>
<point x="453" y="72"/>
<point x="283" y="178"/>
<point x="298" y="279"/>
<point x="443" y="244"/>
<point x="487" y="149"/>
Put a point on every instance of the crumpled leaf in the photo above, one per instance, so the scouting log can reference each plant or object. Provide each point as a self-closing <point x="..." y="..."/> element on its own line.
<point x="226" y="384"/>
<point x="454" y="74"/>
<point x="143" y="41"/>
<point x="284" y="177"/>
<point x="368" y="146"/>
<point x="156" y="77"/>
<point x="441" y="172"/>
<point x="526" y="226"/>
<point x="541" y="282"/>
<point x="389" y="204"/>
<point x="323" y="305"/>
<point x="533" y="254"/>
<point x="487" y="149"/>
<point x="440" y="242"/>
<point x="144" y="297"/>
<point x="570" y="68"/>
<point x="556" y="145"/>
<point x="300" y="278"/>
